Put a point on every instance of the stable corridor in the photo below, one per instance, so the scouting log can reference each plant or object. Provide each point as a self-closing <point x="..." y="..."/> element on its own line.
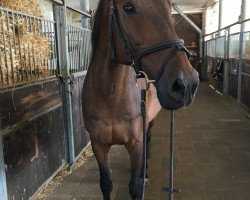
<point x="212" y="156"/>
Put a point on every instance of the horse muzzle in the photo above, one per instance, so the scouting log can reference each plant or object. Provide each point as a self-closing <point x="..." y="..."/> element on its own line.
<point x="180" y="93"/>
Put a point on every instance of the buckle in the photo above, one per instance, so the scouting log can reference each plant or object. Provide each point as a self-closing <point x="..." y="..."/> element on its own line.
<point x="147" y="81"/>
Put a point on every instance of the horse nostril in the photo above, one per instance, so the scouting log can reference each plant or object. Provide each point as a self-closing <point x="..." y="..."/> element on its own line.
<point x="179" y="87"/>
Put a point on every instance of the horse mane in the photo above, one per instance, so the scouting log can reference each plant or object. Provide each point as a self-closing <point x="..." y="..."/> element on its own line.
<point x="96" y="27"/>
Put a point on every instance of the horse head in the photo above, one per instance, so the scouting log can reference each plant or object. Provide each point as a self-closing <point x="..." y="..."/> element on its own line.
<point x="141" y="32"/>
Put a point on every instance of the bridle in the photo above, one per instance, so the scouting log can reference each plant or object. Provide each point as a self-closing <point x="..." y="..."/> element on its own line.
<point x="135" y="62"/>
<point x="135" y="59"/>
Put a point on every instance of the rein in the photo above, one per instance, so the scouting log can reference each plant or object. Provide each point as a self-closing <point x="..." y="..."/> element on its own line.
<point x="135" y="62"/>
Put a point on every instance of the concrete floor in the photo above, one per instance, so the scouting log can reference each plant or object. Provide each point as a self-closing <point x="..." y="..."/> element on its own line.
<point x="212" y="156"/>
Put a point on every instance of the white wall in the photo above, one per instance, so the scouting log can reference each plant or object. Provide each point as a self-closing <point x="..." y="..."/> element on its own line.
<point x="212" y="18"/>
<point x="230" y="14"/>
<point x="93" y="4"/>
<point x="47" y="9"/>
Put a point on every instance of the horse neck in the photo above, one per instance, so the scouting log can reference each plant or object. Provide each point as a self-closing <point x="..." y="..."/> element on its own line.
<point x="103" y="68"/>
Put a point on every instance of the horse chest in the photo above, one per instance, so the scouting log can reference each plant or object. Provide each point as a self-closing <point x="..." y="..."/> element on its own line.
<point x="108" y="131"/>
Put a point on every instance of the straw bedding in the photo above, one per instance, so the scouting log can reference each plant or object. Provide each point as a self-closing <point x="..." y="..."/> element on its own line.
<point x="24" y="49"/>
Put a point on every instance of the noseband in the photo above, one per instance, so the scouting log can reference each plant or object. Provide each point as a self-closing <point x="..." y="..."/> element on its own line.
<point x="135" y="60"/>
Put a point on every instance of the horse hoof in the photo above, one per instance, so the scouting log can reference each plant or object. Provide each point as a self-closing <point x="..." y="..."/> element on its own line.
<point x="147" y="182"/>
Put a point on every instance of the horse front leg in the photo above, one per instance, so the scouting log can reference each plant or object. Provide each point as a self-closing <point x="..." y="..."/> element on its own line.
<point x="135" y="185"/>
<point x="101" y="153"/>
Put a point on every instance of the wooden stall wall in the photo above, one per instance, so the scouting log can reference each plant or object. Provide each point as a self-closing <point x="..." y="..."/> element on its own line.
<point x="233" y="78"/>
<point x="34" y="138"/>
<point x="81" y="137"/>
<point x="188" y="33"/>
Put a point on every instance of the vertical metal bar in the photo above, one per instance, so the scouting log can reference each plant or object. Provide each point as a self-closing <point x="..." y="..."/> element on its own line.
<point x="74" y="49"/>
<point x="60" y="18"/>
<point x="243" y="14"/>
<point x="220" y="15"/>
<point x="55" y="49"/>
<point x="78" y="49"/>
<point x="69" y="50"/>
<point x="226" y="66"/>
<point x="171" y="160"/>
<point x="3" y="185"/>
<point x="51" y="48"/>
<point x="1" y="68"/>
<point x="10" y="47"/>
<point x="47" y="37"/>
<point x="5" y="52"/>
<point x="85" y="48"/>
<point x="20" y="50"/>
<point x="171" y="190"/>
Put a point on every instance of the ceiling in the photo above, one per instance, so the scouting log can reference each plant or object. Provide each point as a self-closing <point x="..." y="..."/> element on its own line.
<point x="193" y="6"/>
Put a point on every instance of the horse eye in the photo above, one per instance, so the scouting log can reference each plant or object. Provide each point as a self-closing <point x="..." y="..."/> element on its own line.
<point x="129" y="8"/>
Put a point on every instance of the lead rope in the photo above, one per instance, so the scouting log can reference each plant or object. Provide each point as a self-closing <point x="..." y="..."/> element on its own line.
<point x="171" y="190"/>
<point x="144" y="165"/>
<point x="143" y="91"/>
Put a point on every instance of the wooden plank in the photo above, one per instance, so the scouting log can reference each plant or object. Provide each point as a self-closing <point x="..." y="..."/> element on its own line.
<point x="33" y="153"/>
<point x="187" y="32"/>
<point x="80" y="134"/>
<point x="18" y="106"/>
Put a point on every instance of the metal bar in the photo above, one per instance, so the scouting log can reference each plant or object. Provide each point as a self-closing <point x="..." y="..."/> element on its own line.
<point x="74" y="41"/>
<point x="24" y="14"/>
<point x="47" y="36"/>
<point x="5" y="53"/>
<point x="171" y="190"/>
<point x="178" y="10"/>
<point x="57" y="1"/>
<point x="3" y="185"/>
<point x="60" y="17"/>
<point x="243" y="14"/>
<point x="19" y="49"/>
<point x="171" y="159"/>
<point x="78" y="49"/>
<point x="85" y="7"/>
<point x="220" y="15"/>
<point x="226" y="64"/>
<point x="245" y="74"/>
<point x="51" y="48"/>
<point x="85" y="49"/>
<point x="1" y="68"/>
<point x="229" y="26"/>
<point x="56" y="55"/>
<point x="79" y="11"/>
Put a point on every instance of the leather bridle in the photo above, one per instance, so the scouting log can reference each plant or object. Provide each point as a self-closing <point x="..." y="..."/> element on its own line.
<point x="135" y="59"/>
<point x="135" y="62"/>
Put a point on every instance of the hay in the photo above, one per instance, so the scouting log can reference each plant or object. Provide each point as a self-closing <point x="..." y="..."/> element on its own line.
<point x="30" y="7"/>
<point x="38" y="49"/>
<point x="24" y="50"/>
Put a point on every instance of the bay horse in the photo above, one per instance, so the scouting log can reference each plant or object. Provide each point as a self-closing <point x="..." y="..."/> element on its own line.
<point x="136" y="33"/>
